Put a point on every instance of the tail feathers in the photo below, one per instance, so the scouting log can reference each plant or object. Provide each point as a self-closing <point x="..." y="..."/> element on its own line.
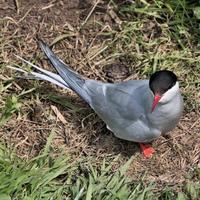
<point x="74" y="80"/>
<point x="41" y="75"/>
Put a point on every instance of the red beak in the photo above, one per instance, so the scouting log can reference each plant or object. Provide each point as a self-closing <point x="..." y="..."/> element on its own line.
<point x="155" y="101"/>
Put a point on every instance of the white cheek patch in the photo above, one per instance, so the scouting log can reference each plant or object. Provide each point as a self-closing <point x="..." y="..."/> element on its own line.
<point x="167" y="96"/>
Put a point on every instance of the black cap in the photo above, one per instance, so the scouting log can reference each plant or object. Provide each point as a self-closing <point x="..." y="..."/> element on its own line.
<point x="161" y="81"/>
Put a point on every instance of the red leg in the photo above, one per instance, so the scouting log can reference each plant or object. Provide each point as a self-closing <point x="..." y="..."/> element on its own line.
<point x="147" y="150"/>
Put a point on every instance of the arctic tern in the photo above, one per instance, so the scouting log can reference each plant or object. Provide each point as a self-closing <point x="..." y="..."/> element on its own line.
<point x="134" y="110"/>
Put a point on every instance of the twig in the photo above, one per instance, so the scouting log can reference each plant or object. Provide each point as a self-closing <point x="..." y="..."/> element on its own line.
<point x="86" y="19"/>
<point x="47" y="7"/>
<point x="194" y="124"/>
<point x="24" y="15"/>
<point x="114" y="16"/>
<point x="16" y="5"/>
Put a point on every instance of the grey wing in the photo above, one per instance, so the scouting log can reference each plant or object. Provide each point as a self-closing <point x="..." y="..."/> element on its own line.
<point x="117" y="103"/>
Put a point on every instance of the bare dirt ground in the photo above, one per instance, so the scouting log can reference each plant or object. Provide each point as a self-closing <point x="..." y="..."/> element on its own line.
<point x="76" y="40"/>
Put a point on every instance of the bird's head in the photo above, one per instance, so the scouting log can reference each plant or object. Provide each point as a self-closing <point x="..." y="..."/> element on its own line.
<point x="164" y="86"/>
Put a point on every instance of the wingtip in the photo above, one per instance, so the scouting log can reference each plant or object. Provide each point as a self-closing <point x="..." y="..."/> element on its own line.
<point x="39" y="39"/>
<point x="41" y="43"/>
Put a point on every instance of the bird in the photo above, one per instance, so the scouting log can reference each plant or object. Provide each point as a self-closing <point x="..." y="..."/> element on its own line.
<point x="135" y="110"/>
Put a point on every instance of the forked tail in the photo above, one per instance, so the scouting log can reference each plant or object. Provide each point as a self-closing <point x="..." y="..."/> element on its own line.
<point x="75" y="81"/>
<point x="66" y="77"/>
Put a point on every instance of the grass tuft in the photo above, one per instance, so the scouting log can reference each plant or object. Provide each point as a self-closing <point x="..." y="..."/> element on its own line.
<point x="48" y="176"/>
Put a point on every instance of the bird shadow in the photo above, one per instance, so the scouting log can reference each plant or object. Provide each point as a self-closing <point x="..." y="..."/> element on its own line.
<point x="106" y="142"/>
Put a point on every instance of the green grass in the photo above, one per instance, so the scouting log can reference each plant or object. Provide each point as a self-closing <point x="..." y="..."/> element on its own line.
<point x="11" y="105"/>
<point x="53" y="175"/>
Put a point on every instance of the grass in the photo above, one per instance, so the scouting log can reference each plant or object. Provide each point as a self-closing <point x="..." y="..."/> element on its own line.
<point x="38" y="162"/>
<point x="11" y="106"/>
<point x="55" y="177"/>
<point x="52" y="175"/>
